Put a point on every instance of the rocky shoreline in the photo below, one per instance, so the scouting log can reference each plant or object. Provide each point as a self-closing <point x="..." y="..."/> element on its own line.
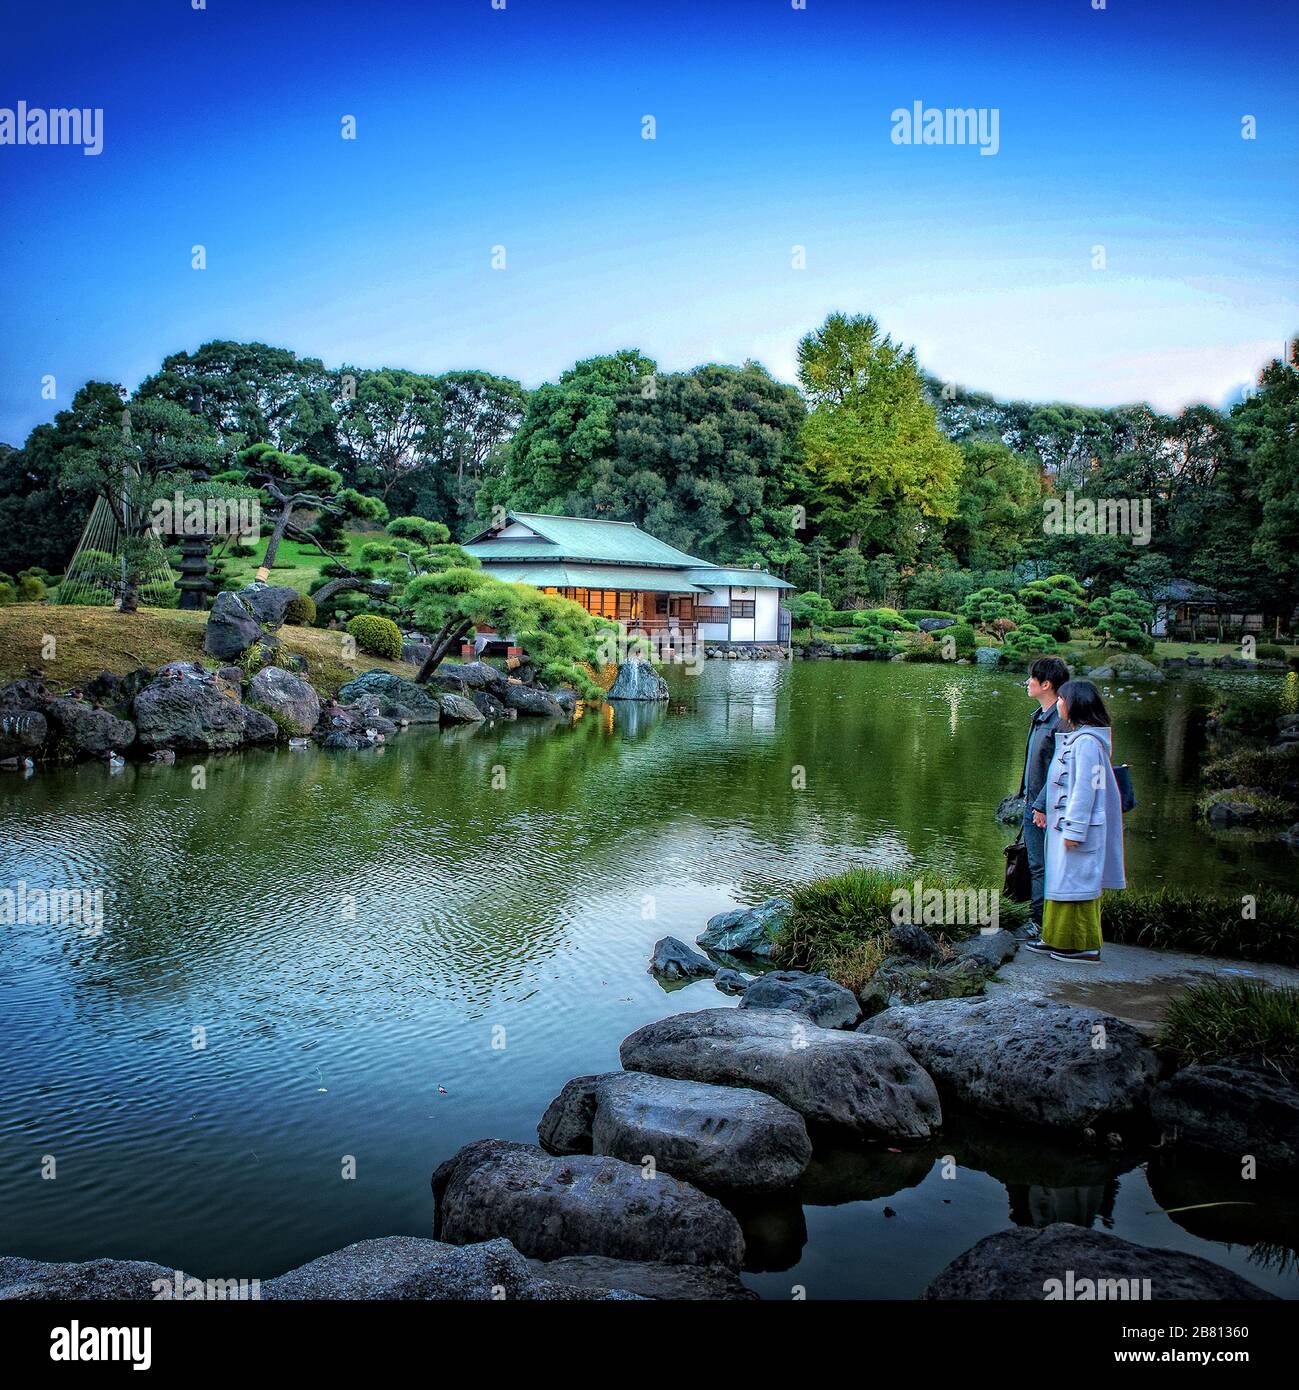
<point x="260" y="696"/>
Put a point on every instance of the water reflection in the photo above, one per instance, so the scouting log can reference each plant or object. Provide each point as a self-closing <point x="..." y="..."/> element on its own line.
<point x="352" y="932"/>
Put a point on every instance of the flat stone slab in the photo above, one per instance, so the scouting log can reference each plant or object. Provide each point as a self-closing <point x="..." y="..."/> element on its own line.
<point x="868" y="1085"/>
<point x="1029" y="1060"/>
<point x="579" y="1204"/>
<point x="718" y="1137"/>
<point x="1133" y="983"/>
<point x="1065" y="1262"/>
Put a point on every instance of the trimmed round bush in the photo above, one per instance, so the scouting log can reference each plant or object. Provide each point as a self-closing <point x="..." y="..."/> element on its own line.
<point x="963" y="635"/>
<point x="377" y="636"/>
<point x="1270" y="651"/>
<point x="301" y="611"/>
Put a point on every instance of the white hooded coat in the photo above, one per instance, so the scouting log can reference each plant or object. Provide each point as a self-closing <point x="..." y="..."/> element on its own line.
<point x="1082" y="803"/>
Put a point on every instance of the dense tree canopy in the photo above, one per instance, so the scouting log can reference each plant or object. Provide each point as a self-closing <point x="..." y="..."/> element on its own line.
<point x="874" y="485"/>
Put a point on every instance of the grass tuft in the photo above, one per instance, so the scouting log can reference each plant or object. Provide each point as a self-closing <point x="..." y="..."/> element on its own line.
<point x="1234" y="1018"/>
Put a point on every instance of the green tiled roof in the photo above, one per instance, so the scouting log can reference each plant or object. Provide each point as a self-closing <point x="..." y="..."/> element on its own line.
<point x="715" y="578"/>
<point x="582" y="539"/>
<point x="559" y="575"/>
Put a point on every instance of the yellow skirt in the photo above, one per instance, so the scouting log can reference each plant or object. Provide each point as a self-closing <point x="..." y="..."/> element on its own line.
<point x="1072" y="926"/>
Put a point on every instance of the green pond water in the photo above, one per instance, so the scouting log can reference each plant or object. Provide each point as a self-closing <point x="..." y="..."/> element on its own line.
<point x="390" y="954"/>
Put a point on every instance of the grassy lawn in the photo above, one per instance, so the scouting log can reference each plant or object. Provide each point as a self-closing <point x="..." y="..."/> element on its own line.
<point x="296" y="564"/>
<point x="90" y="640"/>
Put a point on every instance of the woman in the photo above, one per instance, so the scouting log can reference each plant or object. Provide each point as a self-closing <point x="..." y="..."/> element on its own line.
<point x="1084" y="827"/>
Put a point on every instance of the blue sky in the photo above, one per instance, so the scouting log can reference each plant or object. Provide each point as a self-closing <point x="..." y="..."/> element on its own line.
<point x="521" y="127"/>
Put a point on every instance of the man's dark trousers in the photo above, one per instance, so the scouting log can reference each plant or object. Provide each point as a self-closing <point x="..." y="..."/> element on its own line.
<point x="1035" y="842"/>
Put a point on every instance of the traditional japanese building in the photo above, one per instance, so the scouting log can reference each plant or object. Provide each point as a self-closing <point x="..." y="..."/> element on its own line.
<point x="615" y="569"/>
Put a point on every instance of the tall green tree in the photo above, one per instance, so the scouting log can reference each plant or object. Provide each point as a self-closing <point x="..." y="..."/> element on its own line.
<point x="871" y="442"/>
<point x="708" y="461"/>
<point x="41" y="517"/>
<point x="1267" y="426"/>
<point x="249" y="393"/>
<point x="563" y="453"/>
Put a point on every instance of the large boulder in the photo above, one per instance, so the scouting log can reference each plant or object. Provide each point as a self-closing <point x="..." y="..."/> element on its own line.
<point x="1232" y="1108"/>
<point x="190" y="714"/>
<point x="232" y="627"/>
<point x="527" y="699"/>
<point x="1027" y="1059"/>
<point x="268" y="602"/>
<point x="674" y="960"/>
<point x="259" y="727"/>
<point x="1064" y="1262"/>
<point x="287" y="698"/>
<point x="724" y="1138"/>
<point x="459" y="709"/>
<point x="410" y="1268"/>
<point x="394" y="697"/>
<point x="638" y="680"/>
<point x="746" y="931"/>
<point x="677" y="1283"/>
<point x="874" y="1091"/>
<point x="987" y="656"/>
<point x="816" y="997"/>
<point x="22" y="732"/>
<point x="23" y="724"/>
<point x="474" y="675"/>
<point x="550" y="1207"/>
<point x="83" y="731"/>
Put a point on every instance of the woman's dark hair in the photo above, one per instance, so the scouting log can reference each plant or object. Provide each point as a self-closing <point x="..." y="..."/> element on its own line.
<point x="1049" y="670"/>
<point x="1086" y="708"/>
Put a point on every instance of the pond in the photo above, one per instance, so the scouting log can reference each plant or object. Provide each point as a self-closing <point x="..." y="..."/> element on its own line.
<point x="386" y="955"/>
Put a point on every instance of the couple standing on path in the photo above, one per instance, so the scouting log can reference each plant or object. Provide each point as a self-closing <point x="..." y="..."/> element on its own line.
<point x="1073" y="821"/>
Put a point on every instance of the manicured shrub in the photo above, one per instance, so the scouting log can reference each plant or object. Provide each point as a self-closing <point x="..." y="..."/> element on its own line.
<point x="1270" y="651"/>
<point x="888" y="618"/>
<point x="1218" y="1019"/>
<point x="1210" y="924"/>
<point x="301" y="611"/>
<point x="1027" y="642"/>
<point x="8" y="592"/>
<point x="377" y="636"/>
<point x="964" y="637"/>
<point x="921" y="647"/>
<point x="31" y="589"/>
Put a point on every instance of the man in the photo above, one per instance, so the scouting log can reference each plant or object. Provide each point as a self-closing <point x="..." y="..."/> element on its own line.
<point x="1045" y="677"/>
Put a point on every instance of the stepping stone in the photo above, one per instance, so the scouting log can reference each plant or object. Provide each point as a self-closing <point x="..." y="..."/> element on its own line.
<point x="875" y="1091"/>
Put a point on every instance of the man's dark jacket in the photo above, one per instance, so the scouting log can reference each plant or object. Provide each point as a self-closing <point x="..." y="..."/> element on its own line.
<point x="1037" y="757"/>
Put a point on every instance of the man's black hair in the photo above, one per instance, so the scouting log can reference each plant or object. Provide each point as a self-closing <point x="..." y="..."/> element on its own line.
<point x="1049" y="670"/>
